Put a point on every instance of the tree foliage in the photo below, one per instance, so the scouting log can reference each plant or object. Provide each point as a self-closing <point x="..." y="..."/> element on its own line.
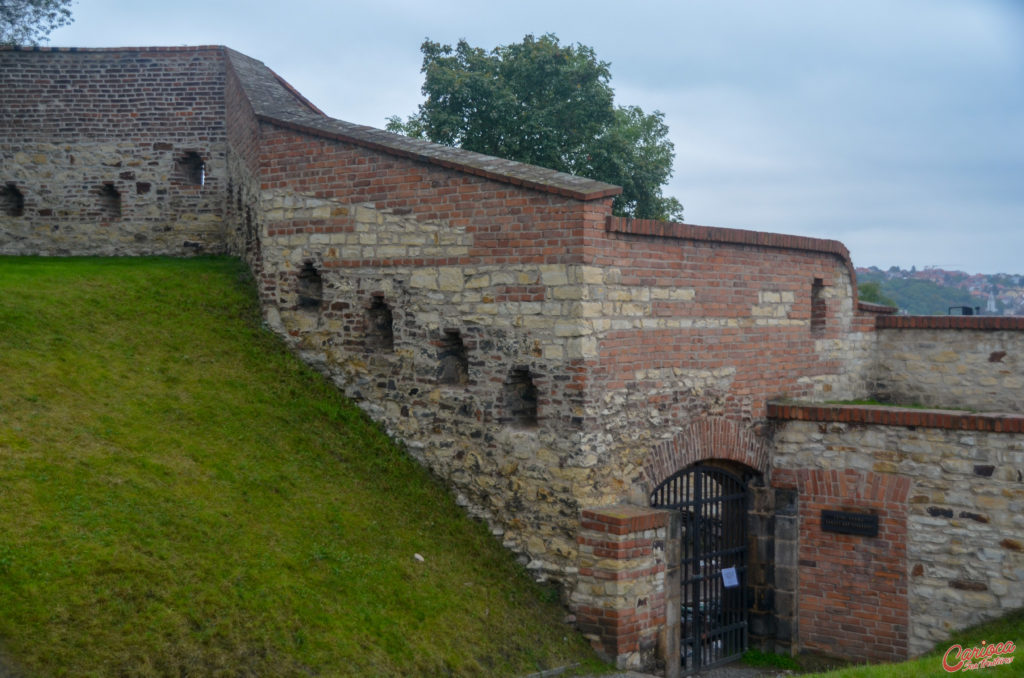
<point x="546" y="104"/>
<point x="872" y="292"/>
<point x="26" y="22"/>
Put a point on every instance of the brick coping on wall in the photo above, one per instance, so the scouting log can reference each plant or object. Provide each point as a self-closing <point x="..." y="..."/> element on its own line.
<point x="950" y="322"/>
<point x="897" y="416"/>
<point x="623" y="519"/>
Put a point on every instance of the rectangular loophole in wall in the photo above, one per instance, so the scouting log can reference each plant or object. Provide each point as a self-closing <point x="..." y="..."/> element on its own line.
<point x="521" y="398"/>
<point x="191" y="169"/>
<point x="12" y="202"/>
<point x="110" y="202"/>
<point x="819" y="308"/>
<point x="452" y="363"/>
<point x="310" y="287"/>
<point x="379" y="323"/>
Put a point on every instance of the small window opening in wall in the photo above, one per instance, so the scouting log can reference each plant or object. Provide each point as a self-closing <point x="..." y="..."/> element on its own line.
<point x="192" y="169"/>
<point x="12" y="202"/>
<point x="521" y="398"/>
<point x="453" y="366"/>
<point x="110" y="202"/>
<point x="310" y="287"/>
<point x="819" y="309"/>
<point x="380" y="332"/>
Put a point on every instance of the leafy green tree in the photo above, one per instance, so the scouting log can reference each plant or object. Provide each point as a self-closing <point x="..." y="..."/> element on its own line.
<point x="546" y="104"/>
<point x="872" y="292"/>
<point x="26" y="22"/>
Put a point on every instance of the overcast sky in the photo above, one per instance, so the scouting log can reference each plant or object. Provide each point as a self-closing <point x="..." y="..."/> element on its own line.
<point x="895" y="126"/>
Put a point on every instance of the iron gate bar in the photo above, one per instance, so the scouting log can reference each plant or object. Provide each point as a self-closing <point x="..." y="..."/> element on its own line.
<point x="713" y="619"/>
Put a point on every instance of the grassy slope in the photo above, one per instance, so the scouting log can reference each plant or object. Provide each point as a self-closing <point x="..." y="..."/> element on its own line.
<point x="179" y="495"/>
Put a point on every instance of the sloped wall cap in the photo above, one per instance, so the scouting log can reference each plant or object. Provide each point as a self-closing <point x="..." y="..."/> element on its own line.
<point x="950" y="322"/>
<point x="276" y="102"/>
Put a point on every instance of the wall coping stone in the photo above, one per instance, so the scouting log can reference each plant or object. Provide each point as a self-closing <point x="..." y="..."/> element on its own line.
<point x="738" y="236"/>
<point x="950" y="322"/>
<point x="39" y="48"/>
<point x="876" y="308"/>
<point x="993" y="422"/>
<point x="623" y="518"/>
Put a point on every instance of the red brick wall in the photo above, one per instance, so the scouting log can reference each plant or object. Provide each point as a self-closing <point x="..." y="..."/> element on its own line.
<point x="157" y="93"/>
<point x="951" y="476"/>
<point x="852" y="595"/>
<point x="509" y="224"/>
<point x="727" y="276"/>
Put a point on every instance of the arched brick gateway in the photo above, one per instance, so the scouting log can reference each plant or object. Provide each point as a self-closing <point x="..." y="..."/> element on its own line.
<point x="704" y="439"/>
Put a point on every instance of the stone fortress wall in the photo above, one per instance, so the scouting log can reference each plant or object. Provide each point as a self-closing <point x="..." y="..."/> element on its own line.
<point x="112" y="152"/>
<point x="552" y="363"/>
<point x="956" y="362"/>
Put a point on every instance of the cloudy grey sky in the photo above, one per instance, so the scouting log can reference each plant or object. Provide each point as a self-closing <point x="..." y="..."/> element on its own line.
<point x="895" y="126"/>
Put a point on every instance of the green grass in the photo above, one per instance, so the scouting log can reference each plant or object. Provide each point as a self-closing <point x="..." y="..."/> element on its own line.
<point x="180" y="496"/>
<point x="770" y="660"/>
<point x="1009" y="627"/>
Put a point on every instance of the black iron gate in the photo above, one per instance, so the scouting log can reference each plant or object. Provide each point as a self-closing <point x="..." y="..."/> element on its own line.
<point x="713" y="572"/>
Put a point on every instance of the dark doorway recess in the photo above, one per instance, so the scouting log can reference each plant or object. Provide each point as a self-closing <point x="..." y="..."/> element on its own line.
<point x="12" y="202"/>
<point x="714" y="563"/>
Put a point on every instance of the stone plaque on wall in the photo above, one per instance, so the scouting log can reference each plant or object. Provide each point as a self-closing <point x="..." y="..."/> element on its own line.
<point x="846" y="522"/>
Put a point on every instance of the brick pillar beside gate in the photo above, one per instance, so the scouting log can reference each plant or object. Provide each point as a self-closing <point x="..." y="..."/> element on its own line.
<point x="626" y="600"/>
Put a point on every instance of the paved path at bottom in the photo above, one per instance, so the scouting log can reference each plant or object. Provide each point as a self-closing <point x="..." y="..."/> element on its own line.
<point x="736" y="670"/>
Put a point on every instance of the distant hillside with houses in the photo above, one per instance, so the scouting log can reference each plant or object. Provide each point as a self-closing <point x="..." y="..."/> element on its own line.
<point x="934" y="291"/>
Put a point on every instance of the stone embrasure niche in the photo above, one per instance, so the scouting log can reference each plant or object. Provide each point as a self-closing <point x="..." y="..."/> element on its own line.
<point x="113" y="197"/>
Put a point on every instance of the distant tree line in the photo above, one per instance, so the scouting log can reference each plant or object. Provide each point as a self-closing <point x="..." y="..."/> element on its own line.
<point x="916" y="297"/>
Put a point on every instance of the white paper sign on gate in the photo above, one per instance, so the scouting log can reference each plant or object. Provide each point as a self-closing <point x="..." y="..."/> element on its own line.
<point x="729" y="578"/>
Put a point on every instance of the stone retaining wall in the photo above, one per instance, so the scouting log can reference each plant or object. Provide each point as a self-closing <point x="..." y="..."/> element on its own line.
<point x="957" y="362"/>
